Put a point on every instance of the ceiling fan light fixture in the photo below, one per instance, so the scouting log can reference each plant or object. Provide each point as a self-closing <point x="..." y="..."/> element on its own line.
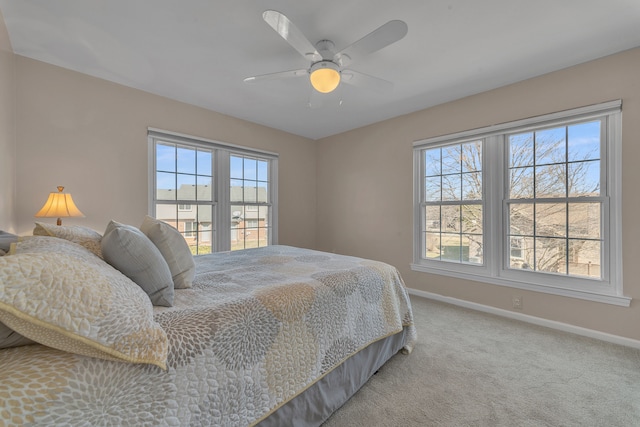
<point x="324" y="76"/>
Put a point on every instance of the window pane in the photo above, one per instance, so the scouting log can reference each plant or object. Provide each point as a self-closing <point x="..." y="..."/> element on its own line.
<point x="521" y="150"/>
<point x="205" y="217"/>
<point x="263" y="195"/>
<point x="432" y="241"/>
<point x="186" y="160"/>
<point x="451" y="187"/>
<point x="432" y="162"/>
<point x="250" y="192"/>
<point x="472" y="219"/>
<point x="472" y="186"/>
<point x="584" y="179"/>
<point x="168" y="214"/>
<point x="250" y="169"/>
<point x="550" y="146"/>
<point x="472" y="248"/>
<point x="263" y="171"/>
<point x="551" y="181"/>
<point x="551" y="219"/>
<point x="451" y="159"/>
<point x="522" y="253"/>
<point x="584" y="220"/>
<point x="451" y="219"/>
<point x="203" y="188"/>
<point x="432" y="218"/>
<point x="584" y="258"/>
<point x="165" y="186"/>
<point x="235" y="166"/>
<point x="166" y="157"/>
<point x="521" y="219"/>
<point x="236" y="192"/>
<point x="551" y="255"/>
<point x="521" y="183"/>
<point x="204" y="162"/>
<point x="584" y="141"/>
<point x="432" y="189"/>
<point x="451" y="247"/>
<point x="472" y="156"/>
<point x="186" y="187"/>
<point x="205" y="244"/>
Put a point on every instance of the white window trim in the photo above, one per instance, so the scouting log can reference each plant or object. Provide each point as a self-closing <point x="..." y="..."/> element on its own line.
<point x="221" y="230"/>
<point x="609" y="291"/>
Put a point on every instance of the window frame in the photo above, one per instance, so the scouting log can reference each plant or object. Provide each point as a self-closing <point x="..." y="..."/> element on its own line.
<point x="495" y="167"/>
<point x="220" y="194"/>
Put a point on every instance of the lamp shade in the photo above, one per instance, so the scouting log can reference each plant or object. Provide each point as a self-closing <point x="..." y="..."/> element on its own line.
<point x="59" y="205"/>
<point x="324" y="76"/>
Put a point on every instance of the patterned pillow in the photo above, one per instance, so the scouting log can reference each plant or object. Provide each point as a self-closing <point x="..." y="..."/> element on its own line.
<point x="173" y="248"/>
<point x="69" y="299"/>
<point x="130" y="251"/>
<point x="84" y="236"/>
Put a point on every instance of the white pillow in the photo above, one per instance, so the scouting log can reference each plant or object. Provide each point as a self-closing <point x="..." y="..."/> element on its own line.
<point x="130" y="251"/>
<point x="59" y="294"/>
<point x="173" y="248"/>
<point x="83" y="236"/>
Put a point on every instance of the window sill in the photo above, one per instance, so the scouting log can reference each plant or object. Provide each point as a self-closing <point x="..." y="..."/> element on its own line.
<point x="613" y="299"/>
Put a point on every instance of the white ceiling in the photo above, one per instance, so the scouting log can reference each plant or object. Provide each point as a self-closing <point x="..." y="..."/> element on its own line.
<point x="199" y="51"/>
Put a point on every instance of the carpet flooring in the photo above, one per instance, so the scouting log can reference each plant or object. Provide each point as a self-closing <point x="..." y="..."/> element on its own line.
<point x="476" y="369"/>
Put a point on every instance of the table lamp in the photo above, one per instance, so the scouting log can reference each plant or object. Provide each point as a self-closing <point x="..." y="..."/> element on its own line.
<point x="59" y="205"/>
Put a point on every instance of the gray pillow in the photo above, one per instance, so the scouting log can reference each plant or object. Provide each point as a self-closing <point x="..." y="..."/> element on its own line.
<point x="6" y="239"/>
<point x="130" y="251"/>
<point x="173" y="248"/>
<point x="10" y="338"/>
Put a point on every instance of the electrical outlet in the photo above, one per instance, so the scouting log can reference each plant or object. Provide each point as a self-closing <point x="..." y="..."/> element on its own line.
<point x="517" y="303"/>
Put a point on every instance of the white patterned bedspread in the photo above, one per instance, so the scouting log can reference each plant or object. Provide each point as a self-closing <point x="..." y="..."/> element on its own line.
<point x="258" y="328"/>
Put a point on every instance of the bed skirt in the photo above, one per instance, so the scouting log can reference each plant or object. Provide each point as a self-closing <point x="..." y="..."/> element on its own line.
<point x="316" y="404"/>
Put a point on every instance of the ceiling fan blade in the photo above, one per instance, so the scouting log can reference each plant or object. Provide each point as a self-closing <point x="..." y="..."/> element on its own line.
<point x="291" y="34"/>
<point x="279" y="75"/>
<point x="365" y="81"/>
<point x="383" y="36"/>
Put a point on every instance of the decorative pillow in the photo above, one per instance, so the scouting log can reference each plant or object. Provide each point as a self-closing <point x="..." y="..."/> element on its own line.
<point x="130" y="251"/>
<point x="10" y="338"/>
<point x="84" y="236"/>
<point x="6" y="239"/>
<point x="173" y="248"/>
<point x="87" y="308"/>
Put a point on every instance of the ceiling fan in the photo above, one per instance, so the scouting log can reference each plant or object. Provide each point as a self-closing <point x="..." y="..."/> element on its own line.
<point x="327" y="67"/>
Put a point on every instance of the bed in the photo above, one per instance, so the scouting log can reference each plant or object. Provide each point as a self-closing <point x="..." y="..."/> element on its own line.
<point x="271" y="336"/>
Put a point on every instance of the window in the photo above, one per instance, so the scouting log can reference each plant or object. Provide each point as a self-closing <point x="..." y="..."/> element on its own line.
<point x="220" y="197"/>
<point x="533" y="204"/>
<point x="249" y="208"/>
<point x="453" y="202"/>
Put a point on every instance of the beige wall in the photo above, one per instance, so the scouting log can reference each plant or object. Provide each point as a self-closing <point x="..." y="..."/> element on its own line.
<point x="365" y="185"/>
<point x="7" y="132"/>
<point x="90" y="136"/>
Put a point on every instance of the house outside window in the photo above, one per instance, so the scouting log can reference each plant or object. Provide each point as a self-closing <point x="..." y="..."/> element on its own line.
<point x="533" y="204"/>
<point x="192" y="189"/>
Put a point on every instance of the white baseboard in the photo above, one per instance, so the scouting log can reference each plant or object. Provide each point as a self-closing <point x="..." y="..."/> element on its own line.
<point x="603" y="336"/>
